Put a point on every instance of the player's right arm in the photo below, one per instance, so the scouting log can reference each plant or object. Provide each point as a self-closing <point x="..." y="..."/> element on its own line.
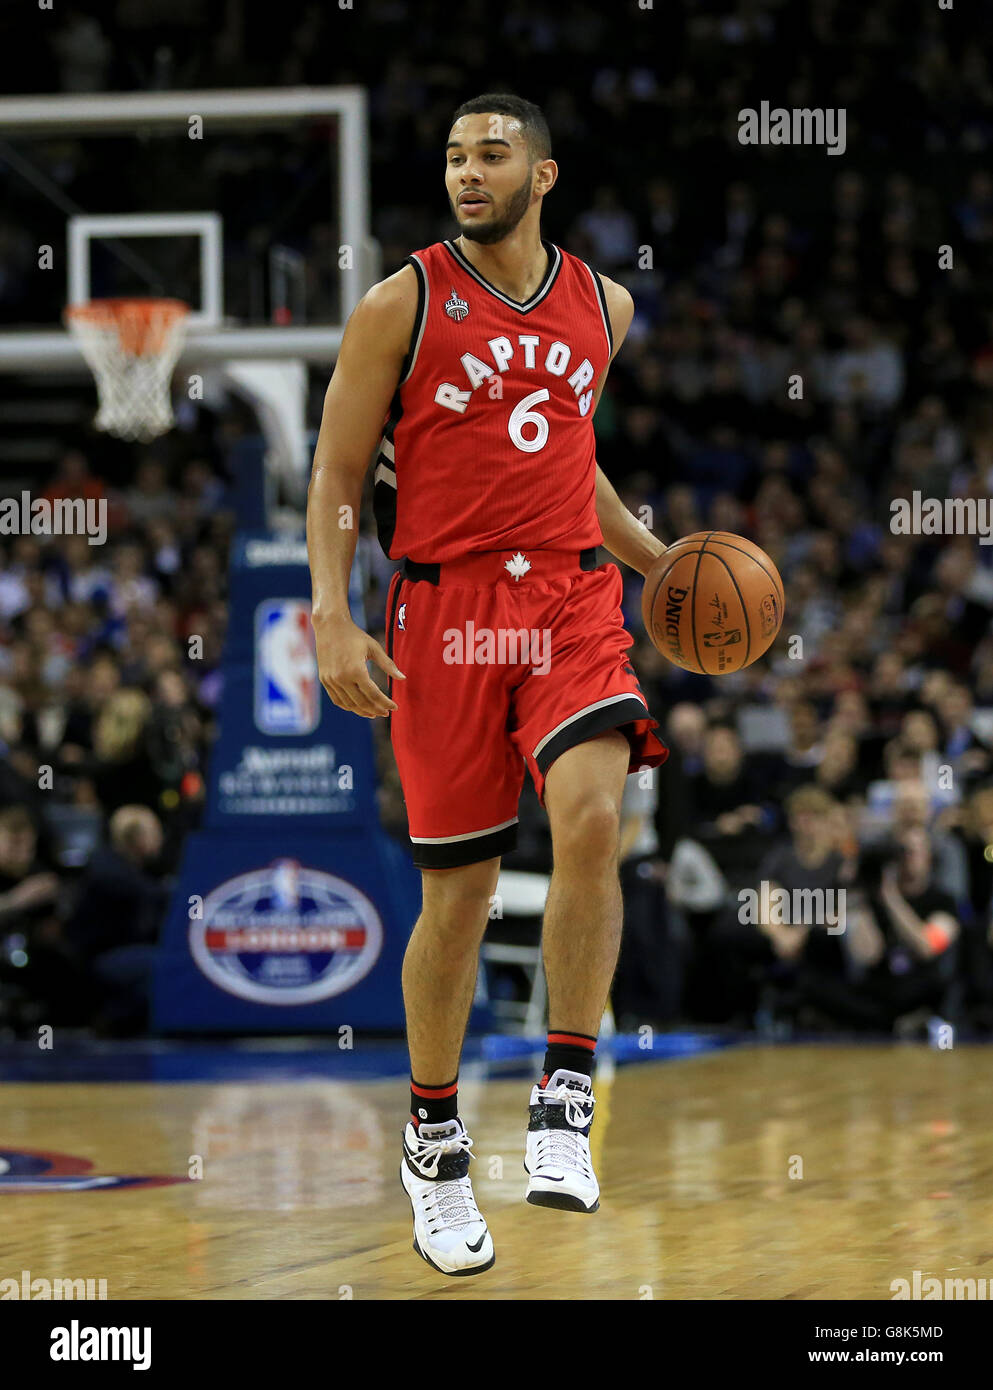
<point x="365" y="377"/>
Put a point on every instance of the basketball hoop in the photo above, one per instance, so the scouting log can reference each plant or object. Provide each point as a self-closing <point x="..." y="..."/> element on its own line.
<point x="132" y="346"/>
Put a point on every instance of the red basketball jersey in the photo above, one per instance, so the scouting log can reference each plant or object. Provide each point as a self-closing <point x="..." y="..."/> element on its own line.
<point x="489" y="443"/>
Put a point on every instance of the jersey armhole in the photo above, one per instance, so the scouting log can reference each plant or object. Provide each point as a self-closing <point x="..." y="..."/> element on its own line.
<point x="420" y="319"/>
<point x="602" y="301"/>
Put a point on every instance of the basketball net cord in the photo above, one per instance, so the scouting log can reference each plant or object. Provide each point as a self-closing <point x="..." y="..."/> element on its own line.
<point x="131" y="346"/>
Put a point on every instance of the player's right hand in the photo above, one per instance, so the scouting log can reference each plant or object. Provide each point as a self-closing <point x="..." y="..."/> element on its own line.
<point x="342" y="652"/>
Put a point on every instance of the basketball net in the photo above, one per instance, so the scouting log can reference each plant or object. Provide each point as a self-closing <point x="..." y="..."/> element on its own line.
<point x="132" y="346"/>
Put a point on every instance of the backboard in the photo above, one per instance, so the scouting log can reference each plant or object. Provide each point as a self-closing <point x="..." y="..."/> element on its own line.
<point x="252" y="205"/>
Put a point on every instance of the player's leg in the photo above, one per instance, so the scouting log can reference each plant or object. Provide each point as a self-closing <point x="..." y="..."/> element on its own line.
<point x="581" y="936"/>
<point x="581" y="939"/>
<point x="439" y="977"/>
<point x="461" y="780"/>
<point x="582" y="725"/>
<point x="439" y="969"/>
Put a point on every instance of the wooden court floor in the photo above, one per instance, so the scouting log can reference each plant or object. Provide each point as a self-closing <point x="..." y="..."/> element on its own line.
<point x="700" y="1164"/>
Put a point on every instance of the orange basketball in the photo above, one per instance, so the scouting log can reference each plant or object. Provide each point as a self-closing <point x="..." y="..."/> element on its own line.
<point x="713" y="603"/>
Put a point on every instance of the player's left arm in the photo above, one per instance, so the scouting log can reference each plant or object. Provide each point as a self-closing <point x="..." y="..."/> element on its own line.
<point x="624" y="535"/>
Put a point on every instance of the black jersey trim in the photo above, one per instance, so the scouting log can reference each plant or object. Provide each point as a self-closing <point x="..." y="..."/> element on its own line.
<point x="551" y="275"/>
<point x="457" y="851"/>
<point x="391" y="618"/>
<point x="601" y="295"/>
<point x="384" y="479"/>
<point x="613" y="713"/>
<point x="420" y="320"/>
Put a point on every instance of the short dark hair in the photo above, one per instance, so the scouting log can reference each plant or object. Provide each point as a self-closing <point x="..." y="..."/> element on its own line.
<point x="531" y="118"/>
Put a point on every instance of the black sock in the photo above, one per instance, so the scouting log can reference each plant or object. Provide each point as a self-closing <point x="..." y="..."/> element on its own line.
<point x="572" y="1051"/>
<point x="433" y="1105"/>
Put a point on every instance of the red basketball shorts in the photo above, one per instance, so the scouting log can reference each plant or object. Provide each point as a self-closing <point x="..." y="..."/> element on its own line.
<point x="510" y="659"/>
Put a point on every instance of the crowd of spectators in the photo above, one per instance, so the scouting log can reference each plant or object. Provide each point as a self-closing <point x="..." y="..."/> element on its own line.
<point x="749" y="275"/>
<point x="859" y="753"/>
<point x="107" y="710"/>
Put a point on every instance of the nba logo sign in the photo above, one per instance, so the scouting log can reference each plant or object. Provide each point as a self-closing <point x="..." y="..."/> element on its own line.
<point x="287" y="689"/>
<point x="286" y="934"/>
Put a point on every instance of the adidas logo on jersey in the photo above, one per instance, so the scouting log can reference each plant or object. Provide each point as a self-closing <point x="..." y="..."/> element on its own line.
<point x="456" y="308"/>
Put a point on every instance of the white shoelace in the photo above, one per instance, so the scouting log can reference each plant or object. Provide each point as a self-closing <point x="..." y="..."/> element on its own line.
<point x="451" y="1202"/>
<point x="575" y="1102"/>
<point x="566" y="1148"/>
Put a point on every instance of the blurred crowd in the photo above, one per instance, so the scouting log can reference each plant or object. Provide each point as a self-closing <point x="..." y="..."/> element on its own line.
<point x="109" y="689"/>
<point x="859" y="754"/>
<point x="803" y="354"/>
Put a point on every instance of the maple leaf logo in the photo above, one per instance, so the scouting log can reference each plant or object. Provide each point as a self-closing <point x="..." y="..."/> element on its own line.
<point x="517" y="566"/>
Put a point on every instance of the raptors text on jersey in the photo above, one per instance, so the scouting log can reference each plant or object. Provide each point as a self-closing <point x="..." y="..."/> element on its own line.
<point x="489" y="443"/>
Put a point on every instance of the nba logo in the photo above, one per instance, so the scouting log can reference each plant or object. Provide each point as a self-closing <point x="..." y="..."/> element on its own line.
<point x="286" y="885"/>
<point x="402" y="617"/>
<point x="286" y="683"/>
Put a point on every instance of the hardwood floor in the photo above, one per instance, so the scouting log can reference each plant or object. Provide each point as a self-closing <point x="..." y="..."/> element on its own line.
<point x="751" y="1172"/>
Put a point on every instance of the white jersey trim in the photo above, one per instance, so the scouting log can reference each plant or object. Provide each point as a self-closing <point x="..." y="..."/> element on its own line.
<point x="454" y="839"/>
<point x="588" y="709"/>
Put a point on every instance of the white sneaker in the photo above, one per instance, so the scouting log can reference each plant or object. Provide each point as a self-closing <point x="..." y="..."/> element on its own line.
<point x="557" y="1158"/>
<point x="448" y="1230"/>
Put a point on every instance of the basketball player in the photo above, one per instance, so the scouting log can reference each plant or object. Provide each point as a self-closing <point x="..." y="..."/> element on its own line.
<point x="485" y="357"/>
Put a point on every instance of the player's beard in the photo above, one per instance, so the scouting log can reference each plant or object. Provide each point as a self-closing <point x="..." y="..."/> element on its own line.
<point x="517" y="205"/>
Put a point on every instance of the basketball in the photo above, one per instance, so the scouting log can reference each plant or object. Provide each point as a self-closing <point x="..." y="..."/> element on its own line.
<point x="713" y="603"/>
